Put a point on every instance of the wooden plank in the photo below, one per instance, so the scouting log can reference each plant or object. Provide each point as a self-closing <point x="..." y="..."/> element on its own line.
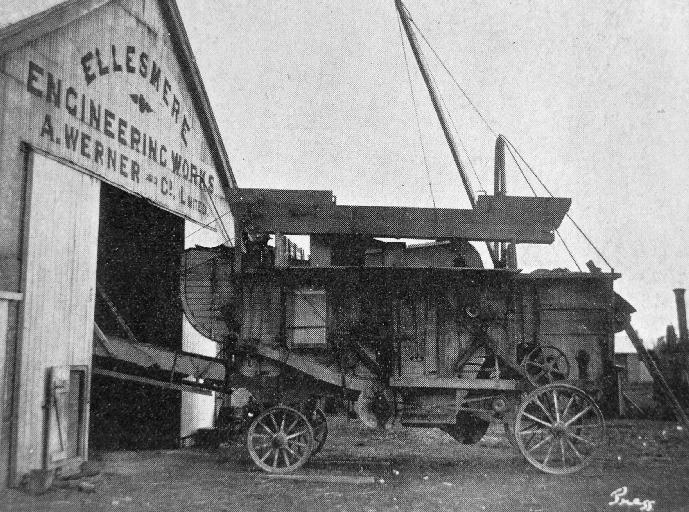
<point x="154" y="356"/>
<point x="152" y="382"/>
<point x="11" y="295"/>
<point x="424" y="381"/>
<point x="574" y="322"/>
<point x="548" y="211"/>
<point x="332" y="479"/>
<point x="310" y="366"/>
<point x="393" y="221"/>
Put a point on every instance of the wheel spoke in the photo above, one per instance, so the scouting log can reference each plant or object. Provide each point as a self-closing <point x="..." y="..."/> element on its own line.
<point x="285" y="456"/>
<point x="550" y="418"/>
<point x="557" y="408"/>
<point x="297" y="434"/>
<point x="266" y="427"/>
<point x="573" y="448"/>
<point x="540" y="374"/>
<point x="282" y="424"/>
<point x="540" y="443"/>
<point x="579" y="438"/>
<point x="297" y="443"/>
<point x="263" y="459"/>
<point x="569" y="403"/>
<point x="275" y="459"/>
<point x="537" y="420"/>
<point x="579" y="415"/>
<point x="275" y="423"/>
<point x="562" y="450"/>
<point x="289" y="429"/>
<point x="532" y="431"/>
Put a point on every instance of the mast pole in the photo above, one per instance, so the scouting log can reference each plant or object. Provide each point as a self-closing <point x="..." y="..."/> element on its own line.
<point x="413" y="42"/>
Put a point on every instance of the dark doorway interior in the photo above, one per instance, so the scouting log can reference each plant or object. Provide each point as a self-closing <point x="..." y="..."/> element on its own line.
<point x="139" y="246"/>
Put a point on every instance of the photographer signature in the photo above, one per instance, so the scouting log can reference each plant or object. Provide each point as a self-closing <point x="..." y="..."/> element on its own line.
<point x="619" y="499"/>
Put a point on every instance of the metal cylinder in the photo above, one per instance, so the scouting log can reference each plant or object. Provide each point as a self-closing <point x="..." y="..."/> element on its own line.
<point x="681" y="315"/>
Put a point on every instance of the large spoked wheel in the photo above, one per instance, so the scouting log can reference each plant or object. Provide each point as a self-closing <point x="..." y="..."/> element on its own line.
<point x="545" y="365"/>
<point x="559" y="428"/>
<point x="319" y="423"/>
<point x="280" y="440"/>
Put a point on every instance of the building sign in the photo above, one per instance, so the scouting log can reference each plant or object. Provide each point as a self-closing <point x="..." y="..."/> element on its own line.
<point x="123" y="112"/>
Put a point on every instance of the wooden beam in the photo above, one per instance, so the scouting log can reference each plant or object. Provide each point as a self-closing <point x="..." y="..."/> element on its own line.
<point x="657" y="375"/>
<point x="423" y="381"/>
<point x="153" y="382"/>
<point x="504" y="218"/>
<point x="391" y="222"/>
<point x="332" y="479"/>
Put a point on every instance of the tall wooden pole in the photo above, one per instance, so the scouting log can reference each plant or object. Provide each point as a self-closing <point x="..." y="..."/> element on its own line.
<point x="499" y="185"/>
<point x="413" y="42"/>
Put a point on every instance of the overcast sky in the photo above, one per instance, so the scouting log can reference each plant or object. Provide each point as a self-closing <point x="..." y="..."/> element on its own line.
<point x="314" y="94"/>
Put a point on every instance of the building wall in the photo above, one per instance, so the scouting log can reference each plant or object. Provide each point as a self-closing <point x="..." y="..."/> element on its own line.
<point x="41" y="113"/>
<point x="85" y="95"/>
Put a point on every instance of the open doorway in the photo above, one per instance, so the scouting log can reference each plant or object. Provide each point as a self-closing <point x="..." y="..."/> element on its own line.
<point x="139" y="248"/>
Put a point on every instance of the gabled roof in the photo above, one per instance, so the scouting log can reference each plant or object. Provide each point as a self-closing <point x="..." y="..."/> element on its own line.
<point x="33" y="19"/>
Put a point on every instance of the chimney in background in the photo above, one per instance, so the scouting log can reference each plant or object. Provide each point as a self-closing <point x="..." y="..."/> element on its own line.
<point x="681" y="316"/>
<point x="671" y="336"/>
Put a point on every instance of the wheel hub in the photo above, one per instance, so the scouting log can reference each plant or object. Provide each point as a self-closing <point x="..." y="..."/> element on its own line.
<point x="558" y="429"/>
<point x="279" y="440"/>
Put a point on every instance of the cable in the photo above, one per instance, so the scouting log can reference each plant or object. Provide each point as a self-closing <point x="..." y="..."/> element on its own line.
<point x="225" y="234"/>
<point x="416" y="113"/>
<point x="533" y="191"/>
<point x="566" y="214"/>
<point x="207" y="224"/>
<point x="490" y="128"/>
<point x="461" y="141"/>
<point x="557" y="232"/>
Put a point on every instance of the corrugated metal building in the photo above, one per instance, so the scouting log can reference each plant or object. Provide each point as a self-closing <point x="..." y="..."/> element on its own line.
<point x="110" y="163"/>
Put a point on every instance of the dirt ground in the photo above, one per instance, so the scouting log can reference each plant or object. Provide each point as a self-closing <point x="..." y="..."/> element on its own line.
<point x="412" y="469"/>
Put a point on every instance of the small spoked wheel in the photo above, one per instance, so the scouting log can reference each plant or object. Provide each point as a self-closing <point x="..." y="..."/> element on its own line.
<point x="546" y="364"/>
<point x="319" y="423"/>
<point x="280" y="440"/>
<point x="559" y="428"/>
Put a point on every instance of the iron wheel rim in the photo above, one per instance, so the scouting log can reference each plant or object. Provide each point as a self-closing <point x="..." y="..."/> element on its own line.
<point x="280" y="440"/>
<point x="559" y="429"/>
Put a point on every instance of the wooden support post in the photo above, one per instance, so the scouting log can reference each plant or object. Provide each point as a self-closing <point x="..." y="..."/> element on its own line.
<point x="657" y="375"/>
